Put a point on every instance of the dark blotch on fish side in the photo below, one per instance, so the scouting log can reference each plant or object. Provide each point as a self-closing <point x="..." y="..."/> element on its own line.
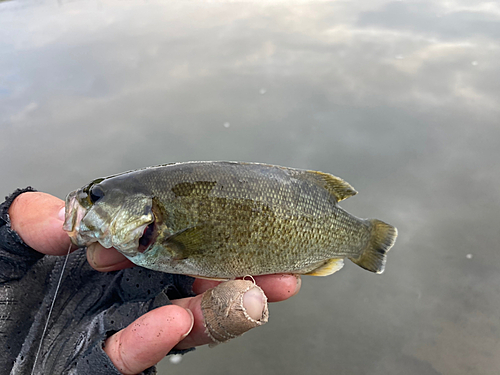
<point x="198" y="188"/>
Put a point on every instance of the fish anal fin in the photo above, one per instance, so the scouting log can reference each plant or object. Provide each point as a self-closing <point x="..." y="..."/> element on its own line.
<point x="336" y="186"/>
<point x="327" y="268"/>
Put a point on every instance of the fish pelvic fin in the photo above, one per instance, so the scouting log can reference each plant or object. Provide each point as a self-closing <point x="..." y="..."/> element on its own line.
<point x="382" y="238"/>
<point x="327" y="268"/>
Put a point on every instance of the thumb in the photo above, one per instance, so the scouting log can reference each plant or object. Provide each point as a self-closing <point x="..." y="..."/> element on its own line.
<point x="147" y="340"/>
<point x="36" y="219"/>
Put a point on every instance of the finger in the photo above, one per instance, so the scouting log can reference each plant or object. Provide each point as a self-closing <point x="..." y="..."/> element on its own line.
<point x="224" y="311"/>
<point x="278" y="287"/>
<point x="148" y="340"/>
<point x="38" y="220"/>
<point x="200" y="286"/>
<point x="106" y="260"/>
<point x="197" y="336"/>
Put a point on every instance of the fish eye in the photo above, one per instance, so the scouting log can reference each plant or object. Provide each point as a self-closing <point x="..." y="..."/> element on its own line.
<point x="96" y="193"/>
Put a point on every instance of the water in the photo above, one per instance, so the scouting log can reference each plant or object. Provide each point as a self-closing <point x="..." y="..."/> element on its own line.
<point x="400" y="99"/>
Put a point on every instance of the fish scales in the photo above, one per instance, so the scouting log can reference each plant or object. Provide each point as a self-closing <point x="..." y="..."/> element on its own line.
<point x="228" y="219"/>
<point x="282" y="224"/>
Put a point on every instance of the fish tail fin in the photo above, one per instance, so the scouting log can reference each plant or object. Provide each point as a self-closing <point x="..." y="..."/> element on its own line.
<point x="373" y="257"/>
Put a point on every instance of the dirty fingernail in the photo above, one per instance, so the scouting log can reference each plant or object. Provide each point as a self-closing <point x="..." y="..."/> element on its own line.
<point x="299" y="283"/>
<point x="102" y="258"/>
<point x="192" y="324"/>
<point x="91" y="254"/>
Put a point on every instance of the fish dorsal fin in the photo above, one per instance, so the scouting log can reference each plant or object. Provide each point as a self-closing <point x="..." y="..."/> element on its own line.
<point x="327" y="268"/>
<point x="187" y="242"/>
<point x="336" y="186"/>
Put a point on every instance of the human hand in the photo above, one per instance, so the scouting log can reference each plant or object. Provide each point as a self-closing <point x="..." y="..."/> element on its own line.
<point x="38" y="218"/>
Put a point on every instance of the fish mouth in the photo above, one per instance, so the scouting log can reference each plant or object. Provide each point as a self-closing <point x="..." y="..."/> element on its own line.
<point x="85" y="226"/>
<point x="148" y="237"/>
<point x="73" y="215"/>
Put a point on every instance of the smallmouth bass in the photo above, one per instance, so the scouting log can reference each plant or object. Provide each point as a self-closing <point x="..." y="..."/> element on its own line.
<point x="222" y="220"/>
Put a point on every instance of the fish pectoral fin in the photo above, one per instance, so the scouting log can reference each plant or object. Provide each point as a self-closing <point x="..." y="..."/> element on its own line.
<point x="327" y="268"/>
<point x="187" y="242"/>
<point x="336" y="186"/>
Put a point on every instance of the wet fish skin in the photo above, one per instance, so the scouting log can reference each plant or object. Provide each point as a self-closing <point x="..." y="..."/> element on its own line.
<point x="227" y="219"/>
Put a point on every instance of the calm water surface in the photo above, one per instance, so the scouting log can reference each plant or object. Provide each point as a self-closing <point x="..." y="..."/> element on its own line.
<point x="399" y="98"/>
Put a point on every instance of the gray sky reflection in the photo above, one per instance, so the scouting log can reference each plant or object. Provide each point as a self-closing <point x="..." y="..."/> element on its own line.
<point x="400" y="99"/>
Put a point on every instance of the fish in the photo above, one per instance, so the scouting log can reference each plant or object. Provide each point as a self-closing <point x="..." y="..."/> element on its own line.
<point x="221" y="220"/>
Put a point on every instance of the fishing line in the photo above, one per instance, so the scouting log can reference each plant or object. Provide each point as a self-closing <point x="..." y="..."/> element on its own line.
<point x="50" y="310"/>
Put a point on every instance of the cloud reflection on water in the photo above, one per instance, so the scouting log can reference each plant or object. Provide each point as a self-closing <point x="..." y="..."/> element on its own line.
<point x="400" y="99"/>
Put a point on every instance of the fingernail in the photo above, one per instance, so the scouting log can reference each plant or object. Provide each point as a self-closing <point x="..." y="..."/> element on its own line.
<point x="253" y="302"/>
<point x="91" y="254"/>
<point x="62" y="214"/>
<point x="299" y="283"/>
<point x="192" y="324"/>
<point x="102" y="258"/>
